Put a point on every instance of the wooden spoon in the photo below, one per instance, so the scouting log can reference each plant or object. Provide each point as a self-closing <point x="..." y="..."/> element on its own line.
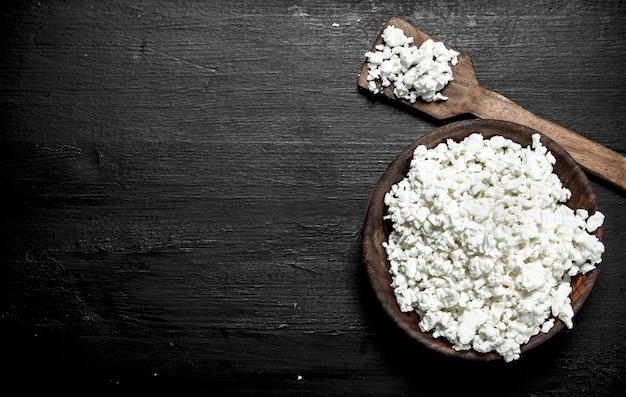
<point x="467" y="96"/>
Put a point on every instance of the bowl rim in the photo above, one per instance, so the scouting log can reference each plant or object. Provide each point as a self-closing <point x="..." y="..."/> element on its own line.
<point x="374" y="232"/>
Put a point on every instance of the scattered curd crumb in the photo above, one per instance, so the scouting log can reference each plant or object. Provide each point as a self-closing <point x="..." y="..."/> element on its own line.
<point x="483" y="247"/>
<point x="595" y="221"/>
<point x="415" y="72"/>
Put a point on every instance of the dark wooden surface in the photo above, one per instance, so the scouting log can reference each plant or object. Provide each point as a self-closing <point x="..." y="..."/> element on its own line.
<point x="183" y="186"/>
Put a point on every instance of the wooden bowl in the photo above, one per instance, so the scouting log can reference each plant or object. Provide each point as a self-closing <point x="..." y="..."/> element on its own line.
<point x="375" y="231"/>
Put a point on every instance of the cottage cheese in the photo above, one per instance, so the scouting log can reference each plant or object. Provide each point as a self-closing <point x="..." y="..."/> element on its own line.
<point x="415" y="72"/>
<point x="482" y="246"/>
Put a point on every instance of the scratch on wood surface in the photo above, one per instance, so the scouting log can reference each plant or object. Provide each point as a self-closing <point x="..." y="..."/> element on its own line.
<point x="297" y="11"/>
<point x="302" y="267"/>
<point x="210" y="69"/>
<point x="60" y="149"/>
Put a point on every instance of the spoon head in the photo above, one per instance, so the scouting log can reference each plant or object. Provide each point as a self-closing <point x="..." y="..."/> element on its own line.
<point x="458" y="90"/>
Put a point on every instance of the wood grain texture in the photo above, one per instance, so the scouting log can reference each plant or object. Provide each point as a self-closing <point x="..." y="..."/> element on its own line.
<point x="183" y="187"/>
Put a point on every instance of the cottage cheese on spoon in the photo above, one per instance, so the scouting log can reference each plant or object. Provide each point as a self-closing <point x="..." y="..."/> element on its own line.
<point x="483" y="247"/>
<point x="415" y="72"/>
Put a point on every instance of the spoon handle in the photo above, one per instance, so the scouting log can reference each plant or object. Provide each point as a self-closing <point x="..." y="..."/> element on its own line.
<point x="593" y="157"/>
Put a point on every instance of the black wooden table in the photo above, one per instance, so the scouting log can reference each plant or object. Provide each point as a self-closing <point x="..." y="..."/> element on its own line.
<point x="183" y="186"/>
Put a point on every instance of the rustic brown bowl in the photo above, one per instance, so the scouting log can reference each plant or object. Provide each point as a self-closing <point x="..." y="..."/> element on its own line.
<point x="375" y="231"/>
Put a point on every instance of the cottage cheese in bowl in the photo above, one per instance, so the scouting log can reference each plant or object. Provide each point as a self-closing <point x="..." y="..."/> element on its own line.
<point x="483" y="241"/>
